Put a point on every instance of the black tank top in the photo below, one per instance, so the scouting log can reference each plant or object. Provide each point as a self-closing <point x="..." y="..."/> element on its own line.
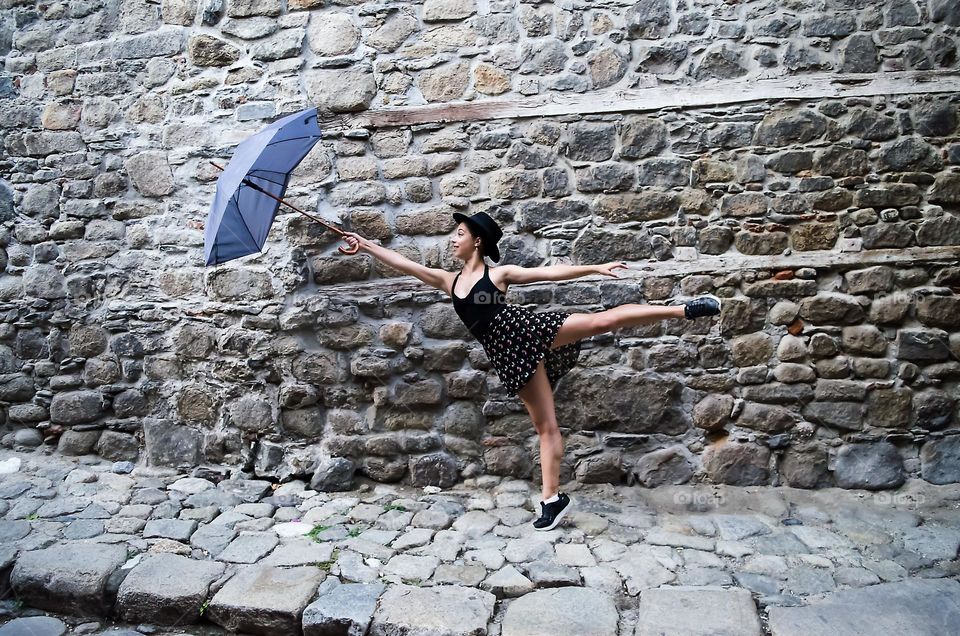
<point x="481" y="304"/>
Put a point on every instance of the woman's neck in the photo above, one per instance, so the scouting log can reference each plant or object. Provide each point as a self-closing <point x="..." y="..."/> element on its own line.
<point x="475" y="264"/>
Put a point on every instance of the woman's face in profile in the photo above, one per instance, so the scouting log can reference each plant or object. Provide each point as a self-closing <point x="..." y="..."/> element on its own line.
<point x="462" y="242"/>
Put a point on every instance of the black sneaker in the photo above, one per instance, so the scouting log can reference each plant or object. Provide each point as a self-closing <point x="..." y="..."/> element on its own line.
<point x="551" y="513"/>
<point x="707" y="305"/>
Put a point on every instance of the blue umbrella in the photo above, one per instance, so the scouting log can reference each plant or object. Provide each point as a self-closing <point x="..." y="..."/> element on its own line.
<point x="250" y="189"/>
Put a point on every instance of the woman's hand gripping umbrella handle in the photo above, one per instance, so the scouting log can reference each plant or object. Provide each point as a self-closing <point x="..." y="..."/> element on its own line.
<point x="350" y="251"/>
<point x="357" y="242"/>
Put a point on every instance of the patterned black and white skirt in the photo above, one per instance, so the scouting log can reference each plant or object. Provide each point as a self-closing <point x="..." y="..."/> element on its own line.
<point x="518" y="339"/>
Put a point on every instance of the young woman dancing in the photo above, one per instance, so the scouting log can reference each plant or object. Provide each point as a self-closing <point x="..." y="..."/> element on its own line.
<point x="530" y="351"/>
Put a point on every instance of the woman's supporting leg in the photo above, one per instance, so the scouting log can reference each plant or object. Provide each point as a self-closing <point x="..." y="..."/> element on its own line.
<point x="580" y="326"/>
<point x="537" y="396"/>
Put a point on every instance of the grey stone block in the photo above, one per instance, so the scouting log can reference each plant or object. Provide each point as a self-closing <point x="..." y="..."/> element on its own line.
<point x="248" y="490"/>
<point x="168" y="444"/>
<point x="448" y="609"/>
<point x="176" y="529"/>
<point x="342" y="610"/>
<point x="265" y="599"/>
<point x="34" y="626"/>
<point x="166" y="589"/>
<point x="249" y="547"/>
<point x="550" y="574"/>
<point x="213" y="538"/>
<point x="697" y="610"/>
<point x="69" y="578"/>
<point x="11" y="531"/>
<point x="940" y="460"/>
<point x="918" y="607"/>
<point x="547" y="612"/>
<point x="507" y="581"/>
<point x="333" y="474"/>
<point x="873" y="466"/>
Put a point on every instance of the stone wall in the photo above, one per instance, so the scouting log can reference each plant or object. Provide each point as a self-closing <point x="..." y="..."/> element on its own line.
<point x="831" y="226"/>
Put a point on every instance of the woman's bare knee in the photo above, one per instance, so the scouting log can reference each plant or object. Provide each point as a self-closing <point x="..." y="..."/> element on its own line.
<point x="544" y="422"/>
<point x="538" y="398"/>
<point x="548" y="431"/>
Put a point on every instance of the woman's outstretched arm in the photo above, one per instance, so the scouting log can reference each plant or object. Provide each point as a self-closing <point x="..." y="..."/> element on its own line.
<point x="430" y="275"/>
<point x="519" y="275"/>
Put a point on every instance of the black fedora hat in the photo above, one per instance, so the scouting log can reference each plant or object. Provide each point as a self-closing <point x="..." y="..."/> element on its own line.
<point x="486" y="228"/>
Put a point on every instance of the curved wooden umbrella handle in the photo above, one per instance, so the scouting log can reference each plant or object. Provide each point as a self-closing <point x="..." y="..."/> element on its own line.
<point x="350" y="251"/>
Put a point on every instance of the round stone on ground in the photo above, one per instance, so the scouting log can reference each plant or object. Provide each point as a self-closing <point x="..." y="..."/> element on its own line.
<point x="34" y="626"/>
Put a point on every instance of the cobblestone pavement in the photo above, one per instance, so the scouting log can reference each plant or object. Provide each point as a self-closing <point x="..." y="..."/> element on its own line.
<point x="85" y="548"/>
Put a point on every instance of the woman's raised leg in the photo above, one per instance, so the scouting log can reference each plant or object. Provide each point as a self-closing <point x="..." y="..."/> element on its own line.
<point x="537" y="396"/>
<point x="579" y="326"/>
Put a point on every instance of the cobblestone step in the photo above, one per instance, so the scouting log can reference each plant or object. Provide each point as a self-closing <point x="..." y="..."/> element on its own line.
<point x="164" y="552"/>
<point x="921" y="607"/>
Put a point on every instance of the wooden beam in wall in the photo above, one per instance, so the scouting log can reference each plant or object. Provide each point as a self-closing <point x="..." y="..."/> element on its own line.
<point x="821" y="85"/>
<point x="824" y="259"/>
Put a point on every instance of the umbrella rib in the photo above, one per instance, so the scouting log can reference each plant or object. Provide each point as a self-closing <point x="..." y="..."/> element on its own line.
<point x="216" y="246"/>
<point x="280" y="141"/>
<point x="266" y="170"/>
<point x="265" y="179"/>
<point x="244" y="221"/>
<point x="256" y="176"/>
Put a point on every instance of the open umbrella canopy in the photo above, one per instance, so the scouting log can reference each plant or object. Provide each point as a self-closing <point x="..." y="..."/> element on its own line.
<point x="249" y="189"/>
